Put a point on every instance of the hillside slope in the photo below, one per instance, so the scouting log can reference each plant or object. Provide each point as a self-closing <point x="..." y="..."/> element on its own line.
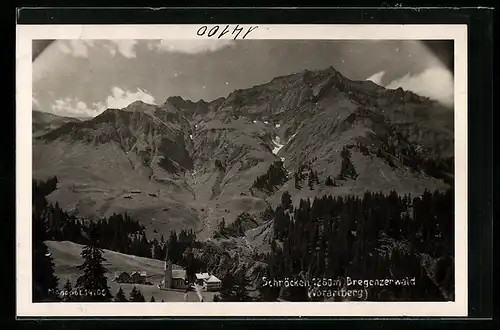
<point x="44" y="122"/>
<point x="67" y="258"/>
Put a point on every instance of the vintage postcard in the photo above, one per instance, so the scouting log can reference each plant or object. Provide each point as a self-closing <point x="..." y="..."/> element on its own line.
<point x="242" y="170"/>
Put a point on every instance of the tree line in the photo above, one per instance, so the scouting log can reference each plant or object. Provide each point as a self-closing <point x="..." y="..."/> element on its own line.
<point x="394" y="147"/>
<point x="305" y="171"/>
<point x="119" y="232"/>
<point x="275" y="176"/>
<point x="243" y="222"/>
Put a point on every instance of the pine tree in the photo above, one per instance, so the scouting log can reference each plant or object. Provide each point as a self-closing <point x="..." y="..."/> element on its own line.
<point x="120" y="296"/>
<point x="297" y="180"/>
<point x="161" y="249"/>
<point x="241" y="287"/>
<point x="68" y="291"/>
<point x="227" y="291"/>
<point x="136" y="295"/>
<point x="93" y="282"/>
<point x="234" y="288"/>
<point x="329" y="181"/>
<point x="45" y="282"/>
<point x="221" y="227"/>
<point x="310" y="183"/>
<point x="347" y="169"/>
<point x="145" y="247"/>
<point x="173" y="247"/>
<point x="286" y="200"/>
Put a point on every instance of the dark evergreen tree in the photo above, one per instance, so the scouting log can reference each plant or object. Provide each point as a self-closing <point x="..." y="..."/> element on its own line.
<point x="297" y="181"/>
<point x="310" y="183"/>
<point x="286" y="201"/>
<point x="152" y="299"/>
<point x="221" y="228"/>
<point x="136" y="295"/>
<point x="120" y="296"/>
<point x="347" y="169"/>
<point x="68" y="291"/>
<point x="329" y="181"/>
<point x="93" y="282"/>
<point x="227" y="291"/>
<point x="161" y="249"/>
<point x="241" y="289"/>
<point x="234" y="288"/>
<point x="275" y="176"/>
<point x="45" y="283"/>
<point x="173" y="248"/>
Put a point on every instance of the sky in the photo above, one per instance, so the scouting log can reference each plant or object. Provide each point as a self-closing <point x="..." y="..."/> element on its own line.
<point x="82" y="78"/>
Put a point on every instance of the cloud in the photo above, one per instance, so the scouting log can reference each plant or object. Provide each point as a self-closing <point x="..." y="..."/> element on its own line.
<point x="125" y="47"/>
<point x="119" y="99"/>
<point x="111" y="48"/>
<point x="436" y="83"/>
<point x="76" y="48"/>
<point x="377" y="77"/>
<point x="73" y="107"/>
<point x="189" y="46"/>
<point x="80" y="48"/>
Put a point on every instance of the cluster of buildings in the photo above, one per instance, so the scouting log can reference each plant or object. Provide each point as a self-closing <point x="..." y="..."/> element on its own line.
<point x="173" y="278"/>
<point x="135" y="277"/>
<point x="178" y="279"/>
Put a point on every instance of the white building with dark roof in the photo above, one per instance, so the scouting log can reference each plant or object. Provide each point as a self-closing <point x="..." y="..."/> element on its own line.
<point x="208" y="282"/>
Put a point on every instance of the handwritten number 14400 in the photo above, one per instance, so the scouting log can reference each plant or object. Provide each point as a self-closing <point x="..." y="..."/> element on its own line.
<point x="219" y="31"/>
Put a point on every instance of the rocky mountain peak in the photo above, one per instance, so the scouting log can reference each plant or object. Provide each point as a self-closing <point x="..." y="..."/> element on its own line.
<point x="217" y="154"/>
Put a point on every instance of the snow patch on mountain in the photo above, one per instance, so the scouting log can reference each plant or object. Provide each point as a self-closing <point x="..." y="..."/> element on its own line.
<point x="277" y="144"/>
<point x="291" y="137"/>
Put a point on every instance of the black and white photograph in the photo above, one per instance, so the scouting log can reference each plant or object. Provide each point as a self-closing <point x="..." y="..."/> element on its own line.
<point x="243" y="170"/>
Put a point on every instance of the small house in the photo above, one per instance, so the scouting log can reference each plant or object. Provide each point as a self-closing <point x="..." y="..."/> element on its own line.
<point x="208" y="282"/>
<point x="122" y="277"/>
<point x="212" y="284"/>
<point x="201" y="278"/>
<point x="138" y="277"/>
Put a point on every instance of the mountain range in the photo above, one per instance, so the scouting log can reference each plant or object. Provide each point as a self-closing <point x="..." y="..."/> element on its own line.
<point x="185" y="164"/>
